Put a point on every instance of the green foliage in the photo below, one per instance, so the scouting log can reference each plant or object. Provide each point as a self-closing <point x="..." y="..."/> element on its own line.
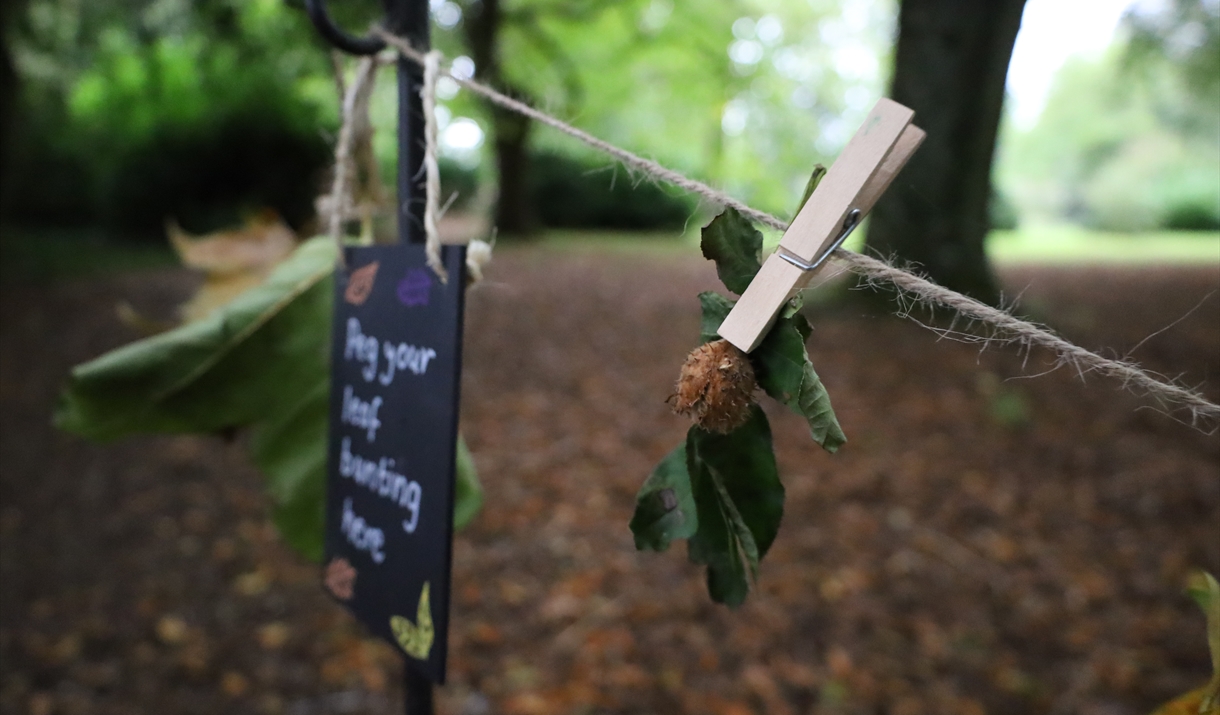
<point x="819" y="172"/>
<point x="233" y="167"/>
<point x="665" y="506"/>
<point x="1203" y="588"/>
<point x="1127" y="142"/>
<point x="199" y="111"/>
<point x="459" y="180"/>
<point x="1182" y="33"/>
<point x="468" y="494"/>
<point x="1186" y="215"/>
<point x="109" y="84"/>
<point x="259" y="362"/>
<point x="658" y="77"/>
<point x="722" y="492"/>
<point x="1001" y="212"/>
<point x="715" y="309"/>
<point x="736" y="247"/>
<point x="570" y="193"/>
<point x="1205" y="591"/>
<point x="197" y="378"/>
<point x="785" y="372"/>
<point x="739" y="500"/>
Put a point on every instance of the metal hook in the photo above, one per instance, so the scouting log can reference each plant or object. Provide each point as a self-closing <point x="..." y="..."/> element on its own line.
<point x="338" y="37"/>
<point x="849" y="225"/>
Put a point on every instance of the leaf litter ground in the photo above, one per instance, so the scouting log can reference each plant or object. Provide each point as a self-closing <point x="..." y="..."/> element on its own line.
<point x="980" y="545"/>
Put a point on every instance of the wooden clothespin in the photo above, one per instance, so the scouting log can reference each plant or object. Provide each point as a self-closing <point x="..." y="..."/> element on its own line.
<point x="863" y="172"/>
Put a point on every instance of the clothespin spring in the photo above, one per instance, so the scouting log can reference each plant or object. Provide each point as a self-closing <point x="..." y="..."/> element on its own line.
<point x="849" y="225"/>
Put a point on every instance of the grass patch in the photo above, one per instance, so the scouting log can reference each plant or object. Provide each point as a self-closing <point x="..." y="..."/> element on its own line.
<point x="648" y="242"/>
<point x="1043" y="244"/>
<point x="1070" y="244"/>
<point x="48" y="254"/>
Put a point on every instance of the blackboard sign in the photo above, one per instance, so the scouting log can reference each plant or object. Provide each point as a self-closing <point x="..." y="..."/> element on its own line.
<point x="395" y="371"/>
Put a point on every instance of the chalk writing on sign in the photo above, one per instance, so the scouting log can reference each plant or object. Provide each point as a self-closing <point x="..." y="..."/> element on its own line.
<point x="395" y="360"/>
<point x="361" y="413"/>
<point x="380" y="478"/>
<point x="361" y="535"/>
<point x="398" y="356"/>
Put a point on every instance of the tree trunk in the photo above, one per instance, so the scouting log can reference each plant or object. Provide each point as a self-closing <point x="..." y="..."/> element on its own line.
<point x="9" y="90"/>
<point x="514" y="213"/>
<point x="950" y="67"/>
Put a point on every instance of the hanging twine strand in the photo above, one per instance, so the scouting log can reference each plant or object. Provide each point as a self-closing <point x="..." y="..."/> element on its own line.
<point x="432" y="171"/>
<point x="356" y="96"/>
<point x="353" y="153"/>
<point x="1008" y="327"/>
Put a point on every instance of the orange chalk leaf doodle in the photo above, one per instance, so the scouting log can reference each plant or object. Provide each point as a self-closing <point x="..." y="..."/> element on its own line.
<point x="360" y="284"/>
<point x="340" y="579"/>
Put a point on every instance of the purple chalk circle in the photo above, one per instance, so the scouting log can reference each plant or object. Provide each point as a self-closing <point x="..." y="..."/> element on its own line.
<point x="416" y="288"/>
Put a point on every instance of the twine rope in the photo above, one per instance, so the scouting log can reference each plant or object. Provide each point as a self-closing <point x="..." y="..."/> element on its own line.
<point x="339" y="204"/>
<point x="1009" y="328"/>
<point x="355" y="121"/>
<point x="432" y="172"/>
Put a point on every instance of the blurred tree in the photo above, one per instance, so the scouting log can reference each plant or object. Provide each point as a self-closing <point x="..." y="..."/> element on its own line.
<point x="534" y="31"/>
<point x="1184" y="33"/>
<point x="950" y="67"/>
<point x="8" y="79"/>
<point x="1129" y="141"/>
<point x="134" y="110"/>
<point x="484" y="20"/>
<point x="737" y="93"/>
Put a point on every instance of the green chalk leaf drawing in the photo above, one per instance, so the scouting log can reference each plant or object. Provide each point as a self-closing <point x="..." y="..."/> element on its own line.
<point x="416" y="638"/>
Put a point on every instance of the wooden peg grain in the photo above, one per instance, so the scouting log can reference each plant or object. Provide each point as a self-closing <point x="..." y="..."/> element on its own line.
<point x="818" y="224"/>
<point x="907" y="143"/>
<point x="819" y="221"/>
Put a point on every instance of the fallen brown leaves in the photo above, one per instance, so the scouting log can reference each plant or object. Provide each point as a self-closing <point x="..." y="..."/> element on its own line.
<point x="981" y="545"/>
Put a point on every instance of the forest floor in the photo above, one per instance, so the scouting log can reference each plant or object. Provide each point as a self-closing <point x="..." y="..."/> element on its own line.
<point x="985" y="543"/>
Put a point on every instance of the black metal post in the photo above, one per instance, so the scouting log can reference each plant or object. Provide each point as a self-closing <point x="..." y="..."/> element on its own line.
<point x="409" y="18"/>
<point x="418" y="693"/>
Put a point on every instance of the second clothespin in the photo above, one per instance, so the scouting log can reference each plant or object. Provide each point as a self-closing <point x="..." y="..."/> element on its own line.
<point x="863" y="172"/>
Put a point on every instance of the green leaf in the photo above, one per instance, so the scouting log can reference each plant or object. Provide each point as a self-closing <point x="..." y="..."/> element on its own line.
<point x="203" y="376"/>
<point x="819" y="171"/>
<point x="784" y="371"/>
<point x="739" y="501"/>
<point x="468" y="495"/>
<point x="289" y="448"/>
<point x="736" y="246"/>
<point x="665" y="507"/>
<point x="261" y="361"/>
<point x="715" y="309"/>
<point x="1205" y="591"/>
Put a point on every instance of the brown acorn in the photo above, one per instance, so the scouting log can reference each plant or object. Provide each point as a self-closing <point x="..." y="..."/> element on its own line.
<point x="716" y="387"/>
